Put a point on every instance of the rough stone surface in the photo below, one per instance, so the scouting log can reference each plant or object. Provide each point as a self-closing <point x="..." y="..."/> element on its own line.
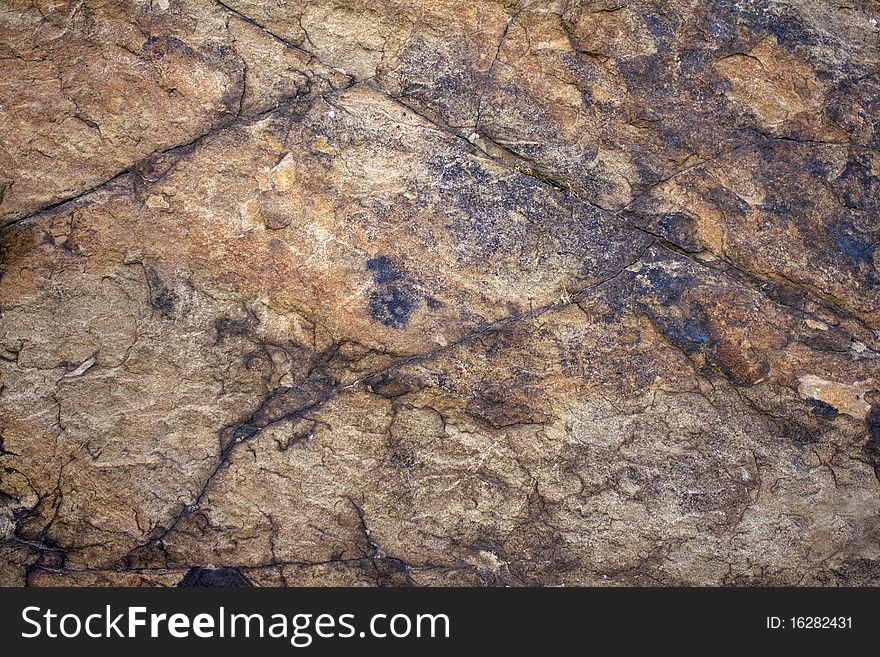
<point x="439" y="293"/>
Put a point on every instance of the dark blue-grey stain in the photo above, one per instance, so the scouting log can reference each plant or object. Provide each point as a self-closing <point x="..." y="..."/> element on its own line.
<point x="383" y="270"/>
<point x="848" y="241"/>
<point x="695" y="332"/>
<point x="213" y="577"/>
<point x="394" y="301"/>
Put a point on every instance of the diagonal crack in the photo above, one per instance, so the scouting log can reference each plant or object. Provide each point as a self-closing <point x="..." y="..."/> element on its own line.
<point x="321" y="392"/>
<point x="736" y="273"/>
<point x="280" y="39"/>
<point x="488" y="79"/>
<point x="231" y="436"/>
<point x="232" y="121"/>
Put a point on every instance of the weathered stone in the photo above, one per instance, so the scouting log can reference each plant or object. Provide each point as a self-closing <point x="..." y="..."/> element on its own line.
<point x="398" y="292"/>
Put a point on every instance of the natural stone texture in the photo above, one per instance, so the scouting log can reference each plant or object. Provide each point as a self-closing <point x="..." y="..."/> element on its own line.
<point x="439" y="293"/>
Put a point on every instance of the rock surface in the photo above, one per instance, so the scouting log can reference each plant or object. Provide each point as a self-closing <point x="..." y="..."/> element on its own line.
<point x="439" y="293"/>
